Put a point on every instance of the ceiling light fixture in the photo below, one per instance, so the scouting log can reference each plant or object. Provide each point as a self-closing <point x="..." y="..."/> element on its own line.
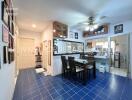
<point x="54" y="30"/>
<point x="91" y="26"/>
<point x="33" y="25"/>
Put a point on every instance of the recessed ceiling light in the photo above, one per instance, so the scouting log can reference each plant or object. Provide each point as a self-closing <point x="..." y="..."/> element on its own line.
<point x="54" y="30"/>
<point x="33" y="25"/>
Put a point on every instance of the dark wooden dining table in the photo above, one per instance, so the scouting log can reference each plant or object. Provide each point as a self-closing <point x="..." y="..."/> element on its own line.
<point x="84" y="64"/>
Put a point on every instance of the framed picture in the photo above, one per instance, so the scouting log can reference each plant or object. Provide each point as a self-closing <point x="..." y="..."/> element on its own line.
<point x="76" y="35"/>
<point x="12" y="29"/>
<point x="10" y="56"/>
<point x="11" y="25"/>
<point x="71" y="34"/>
<point x="118" y="28"/>
<point x="11" y="42"/>
<point x="12" y="14"/>
<point x="5" y="54"/>
<point x="0" y="59"/>
<point x="8" y="2"/>
<point x="5" y="10"/>
<point x="5" y="34"/>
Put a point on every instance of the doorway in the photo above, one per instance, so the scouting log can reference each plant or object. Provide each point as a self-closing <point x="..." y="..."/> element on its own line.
<point x="25" y="55"/>
<point x="119" y="55"/>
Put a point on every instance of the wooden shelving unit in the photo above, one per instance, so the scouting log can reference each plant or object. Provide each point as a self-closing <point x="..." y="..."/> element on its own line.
<point x="100" y="31"/>
<point x="60" y="30"/>
<point x="38" y="61"/>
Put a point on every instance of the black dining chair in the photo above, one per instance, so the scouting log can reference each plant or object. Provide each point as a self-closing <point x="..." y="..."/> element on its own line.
<point x="82" y="56"/>
<point x="65" y="67"/>
<point x="90" y="67"/>
<point x="75" y="71"/>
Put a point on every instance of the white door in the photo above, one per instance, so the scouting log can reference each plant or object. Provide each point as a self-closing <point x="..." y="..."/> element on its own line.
<point x="25" y="55"/>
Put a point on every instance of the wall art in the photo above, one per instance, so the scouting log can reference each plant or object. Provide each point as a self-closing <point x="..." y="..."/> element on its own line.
<point x="5" y="11"/>
<point x="5" y="54"/>
<point x="118" y="28"/>
<point x="5" y="34"/>
<point x="76" y="35"/>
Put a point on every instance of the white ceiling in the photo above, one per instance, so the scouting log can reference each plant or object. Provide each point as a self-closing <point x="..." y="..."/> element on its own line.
<point x="70" y="12"/>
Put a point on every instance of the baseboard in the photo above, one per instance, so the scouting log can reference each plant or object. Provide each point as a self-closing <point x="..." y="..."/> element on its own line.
<point x="15" y="79"/>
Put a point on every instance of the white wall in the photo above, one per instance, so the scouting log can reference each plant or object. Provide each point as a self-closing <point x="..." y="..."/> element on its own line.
<point x="127" y="27"/>
<point x="47" y="35"/>
<point x="32" y="35"/>
<point x="7" y="72"/>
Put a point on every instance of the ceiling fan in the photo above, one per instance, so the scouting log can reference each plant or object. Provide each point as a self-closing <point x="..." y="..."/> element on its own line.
<point x="90" y="24"/>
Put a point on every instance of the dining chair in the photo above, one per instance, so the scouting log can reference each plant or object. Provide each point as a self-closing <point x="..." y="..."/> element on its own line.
<point x="65" y="67"/>
<point x="90" y="67"/>
<point x="76" y="71"/>
<point x="82" y="56"/>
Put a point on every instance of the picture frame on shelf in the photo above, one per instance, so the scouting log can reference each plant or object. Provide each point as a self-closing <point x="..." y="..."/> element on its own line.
<point x="71" y="34"/>
<point x="76" y="35"/>
<point x="5" y="13"/>
<point x="5" y="54"/>
<point x="5" y="34"/>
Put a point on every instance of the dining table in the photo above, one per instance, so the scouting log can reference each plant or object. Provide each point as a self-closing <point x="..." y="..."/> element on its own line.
<point x="85" y="64"/>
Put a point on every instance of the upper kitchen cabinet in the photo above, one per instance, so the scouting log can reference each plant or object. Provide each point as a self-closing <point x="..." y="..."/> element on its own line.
<point x="60" y="30"/>
<point x="103" y="29"/>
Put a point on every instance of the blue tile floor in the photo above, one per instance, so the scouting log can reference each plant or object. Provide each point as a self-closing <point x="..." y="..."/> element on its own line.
<point x="32" y="86"/>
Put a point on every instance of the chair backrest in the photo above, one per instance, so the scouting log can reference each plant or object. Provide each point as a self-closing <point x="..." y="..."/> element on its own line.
<point x="64" y="62"/>
<point x="72" y="64"/>
<point x="82" y="56"/>
<point x="90" y="58"/>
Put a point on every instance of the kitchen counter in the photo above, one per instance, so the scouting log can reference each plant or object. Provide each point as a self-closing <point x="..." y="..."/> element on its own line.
<point x="101" y="57"/>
